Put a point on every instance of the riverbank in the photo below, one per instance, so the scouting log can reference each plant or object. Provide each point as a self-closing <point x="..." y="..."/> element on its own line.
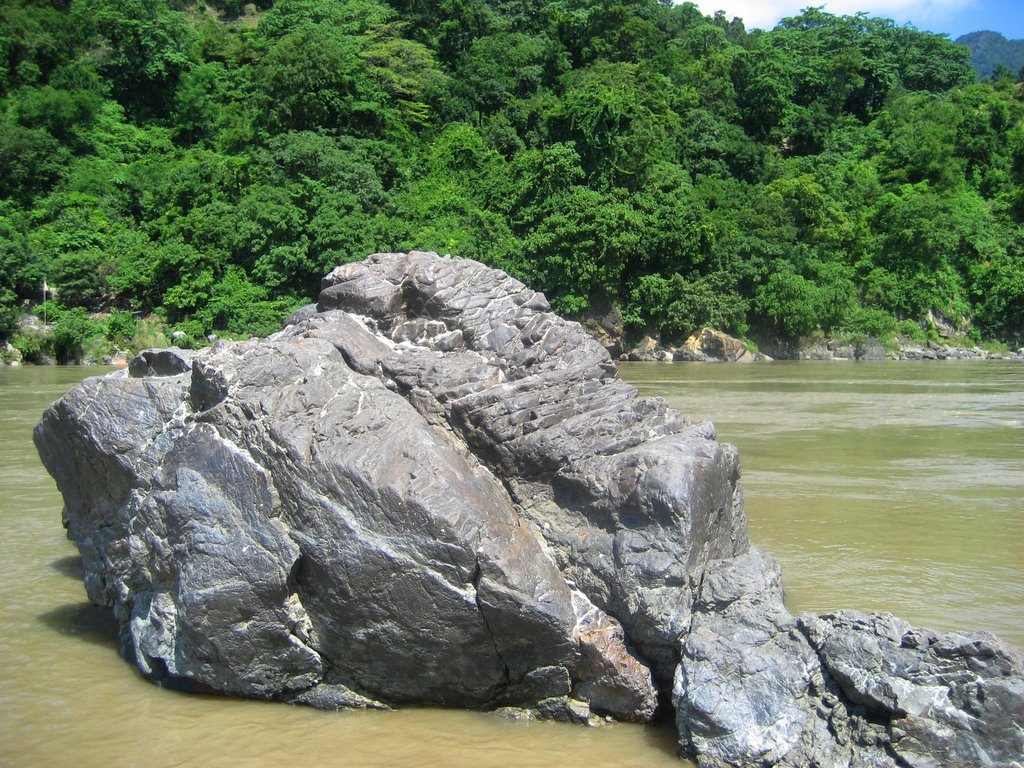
<point x="36" y="343"/>
<point x="710" y="345"/>
<point x="76" y="337"/>
<point x="12" y="356"/>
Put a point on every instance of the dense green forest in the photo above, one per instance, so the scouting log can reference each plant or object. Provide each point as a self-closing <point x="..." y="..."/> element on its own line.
<point x="209" y="162"/>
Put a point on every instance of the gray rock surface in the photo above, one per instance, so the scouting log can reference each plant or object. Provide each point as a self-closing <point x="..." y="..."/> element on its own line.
<point x="869" y="349"/>
<point x="649" y="349"/>
<point x="428" y="488"/>
<point x="842" y="689"/>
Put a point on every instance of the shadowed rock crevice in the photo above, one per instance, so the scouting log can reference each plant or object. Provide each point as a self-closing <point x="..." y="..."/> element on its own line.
<point x="430" y="489"/>
<point x="506" y="677"/>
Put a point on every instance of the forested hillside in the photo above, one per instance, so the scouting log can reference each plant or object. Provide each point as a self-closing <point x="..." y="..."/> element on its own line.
<point x="210" y="162"/>
<point x="992" y="55"/>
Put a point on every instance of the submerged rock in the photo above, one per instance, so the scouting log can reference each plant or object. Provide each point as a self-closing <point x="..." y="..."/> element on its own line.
<point x="428" y="488"/>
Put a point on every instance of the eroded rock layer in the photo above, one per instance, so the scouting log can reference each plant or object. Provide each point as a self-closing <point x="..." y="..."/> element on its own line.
<point x="428" y="488"/>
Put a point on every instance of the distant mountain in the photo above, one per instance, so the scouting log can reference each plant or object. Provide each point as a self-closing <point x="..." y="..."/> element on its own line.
<point x="991" y="48"/>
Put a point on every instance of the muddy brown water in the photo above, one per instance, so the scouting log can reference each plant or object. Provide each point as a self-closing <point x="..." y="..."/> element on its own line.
<point x="882" y="487"/>
<point x="891" y="486"/>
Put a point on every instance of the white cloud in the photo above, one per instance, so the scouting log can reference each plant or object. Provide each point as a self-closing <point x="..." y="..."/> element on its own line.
<point x="765" y="15"/>
<point x="762" y="14"/>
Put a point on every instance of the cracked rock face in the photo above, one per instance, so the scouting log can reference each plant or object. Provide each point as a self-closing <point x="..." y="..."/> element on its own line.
<point x="430" y="489"/>
<point x="757" y="686"/>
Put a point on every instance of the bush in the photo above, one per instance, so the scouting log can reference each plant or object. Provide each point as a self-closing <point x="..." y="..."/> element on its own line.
<point x="149" y="333"/>
<point x="648" y="302"/>
<point x="708" y="300"/>
<point x="195" y="334"/>
<point x="910" y="329"/>
<point x="120" y="327"/>
<point x="31" y="344"/>
<point x="680" y="306"/>
<point x="789" y="302"/>
<point x="243" y="308"/>
<point x="868" y="321"/>
<point x="9" y="313"/>
<point x="70" y="333"/>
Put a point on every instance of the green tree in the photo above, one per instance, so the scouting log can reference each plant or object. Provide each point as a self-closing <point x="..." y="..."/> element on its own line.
<point x="406" y="70"/>
<point x="999" y="287"/>
<point x="788" y="301"/>
<point x="619" y="115"/>
<point x="834" y="173"/>
<point x="577" y="248"/>
<point x="142" y="47"/>
<point x="316" y="79"/>
<point x="678" y="307"/>
<point x="505" y="66"/>
<point x="239" y="306"/>
<point x="33" y="162"/>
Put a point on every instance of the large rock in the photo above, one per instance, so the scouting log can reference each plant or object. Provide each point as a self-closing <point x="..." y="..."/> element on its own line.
<point x="756" y="686"/>
<point x="428" y="488"/>
<point x="711" y="346"/>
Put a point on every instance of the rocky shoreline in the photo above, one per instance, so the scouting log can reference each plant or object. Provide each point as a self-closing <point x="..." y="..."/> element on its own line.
<point x="430" y="489"/>
<point x="10" y="356"/>
<point x="712" y="346"/>
<point x="707" y="345"/>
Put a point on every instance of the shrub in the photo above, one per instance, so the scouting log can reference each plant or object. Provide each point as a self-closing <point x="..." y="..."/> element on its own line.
<point x="195" y="335"/>
<point x="70" y="333"/>
<point x="789" y="301"/>
<point x="680" y="306"/>
<point x="31" y="344"/>
<point x="910" y="329"/>
<point x="149" y="333"/>
<point x="120" y="327"/>
<point x="868" y="321"/>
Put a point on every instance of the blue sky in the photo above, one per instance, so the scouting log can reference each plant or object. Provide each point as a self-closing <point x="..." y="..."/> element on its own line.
<point x="953" y="17"/>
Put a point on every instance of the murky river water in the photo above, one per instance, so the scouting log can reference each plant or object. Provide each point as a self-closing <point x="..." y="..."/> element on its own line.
<point x="881" y="487"/>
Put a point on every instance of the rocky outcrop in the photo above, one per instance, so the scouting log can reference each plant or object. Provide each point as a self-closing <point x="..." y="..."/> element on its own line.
<point x="842" y="689"/>
<point x="10" y="355"/>
<point x="709" y="345"/>
<point x="428" y="488"/>
<point x="648" y="349"/>
<point x="705" y="346"/>
<point x="870" y="349"/>
<point x="604" y="324"/>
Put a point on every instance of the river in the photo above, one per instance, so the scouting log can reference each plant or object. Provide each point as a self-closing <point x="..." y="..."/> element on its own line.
<point x="892" y="486"/>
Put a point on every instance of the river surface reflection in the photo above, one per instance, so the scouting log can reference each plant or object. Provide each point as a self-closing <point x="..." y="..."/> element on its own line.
<point x="882" y="487"/>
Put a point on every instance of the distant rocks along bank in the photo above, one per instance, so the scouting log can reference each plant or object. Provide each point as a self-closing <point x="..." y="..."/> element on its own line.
<point x="712" y="346"/>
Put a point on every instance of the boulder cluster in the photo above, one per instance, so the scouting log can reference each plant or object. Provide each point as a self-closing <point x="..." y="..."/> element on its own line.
<point x="706" y="346"/>
<point x="430" y="489"/>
